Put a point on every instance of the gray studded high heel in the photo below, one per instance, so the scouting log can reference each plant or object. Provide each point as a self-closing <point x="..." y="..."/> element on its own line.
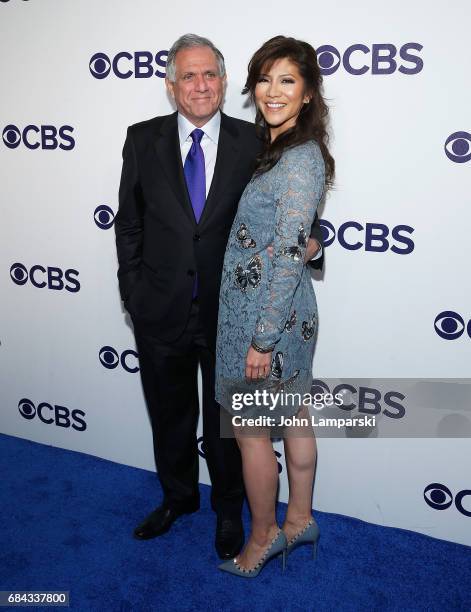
<point x="277" y="546"/>
<point x="309" y="534"/>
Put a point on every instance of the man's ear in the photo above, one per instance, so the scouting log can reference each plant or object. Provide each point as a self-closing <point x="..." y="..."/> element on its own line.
<point x="169" y="86"/>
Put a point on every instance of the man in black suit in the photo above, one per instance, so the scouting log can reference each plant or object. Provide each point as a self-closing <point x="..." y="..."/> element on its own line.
<point x="170" y="264"/>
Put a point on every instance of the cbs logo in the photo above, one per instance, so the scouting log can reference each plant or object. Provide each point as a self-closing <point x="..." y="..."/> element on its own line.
<point x="373" y="237"/>
<point x="380" y="59"/>
<point x="103" y="217"/>
<point x="140" y="64"/>
<point x="457" y="147"/>
<point x="35" y="137"/>
<point x="368" y="400"/>
<point x="50" y="277"/>
<point x="52" y="414"/>
<point x="450" y="325"/>
<point x="201" y="447"/>
<point x="440" y="497"/>
<point x="278" y="456"/>
<point x="110" y="359"/>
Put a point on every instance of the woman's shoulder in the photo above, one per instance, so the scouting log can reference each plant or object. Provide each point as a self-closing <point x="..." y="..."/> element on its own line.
<point x="308" y="148"/>
<point x="308" y="152"/>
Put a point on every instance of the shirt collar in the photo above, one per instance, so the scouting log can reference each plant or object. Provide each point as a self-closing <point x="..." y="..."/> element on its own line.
<point x="211" y="128"/>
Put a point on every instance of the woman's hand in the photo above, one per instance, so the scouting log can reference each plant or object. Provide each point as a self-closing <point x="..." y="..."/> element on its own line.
<point x="257" y="365"/>
<point x="313" y="247"/>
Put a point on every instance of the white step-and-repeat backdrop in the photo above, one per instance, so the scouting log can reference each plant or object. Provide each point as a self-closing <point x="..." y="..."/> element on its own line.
<point x="394" y="298"/>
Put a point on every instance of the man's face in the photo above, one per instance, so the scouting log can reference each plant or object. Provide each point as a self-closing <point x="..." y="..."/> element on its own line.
<point x="198" y="89"/>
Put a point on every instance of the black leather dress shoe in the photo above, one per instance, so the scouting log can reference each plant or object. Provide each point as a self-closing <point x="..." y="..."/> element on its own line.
<point x="229" y="537"/>
<point x="159" y="522"/>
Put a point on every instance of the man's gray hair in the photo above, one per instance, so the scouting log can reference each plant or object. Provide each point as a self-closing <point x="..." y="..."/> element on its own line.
<point x="186" y="42"/>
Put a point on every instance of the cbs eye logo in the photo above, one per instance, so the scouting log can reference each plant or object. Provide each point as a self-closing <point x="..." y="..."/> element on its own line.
<point x="36" y="137"/>
<point x="50" y="414"/>
<point x="140" y="64"/>
<point x="450" y="325"/>
<point x="278" y="456"/>
<point x="201" y="447"/>
<point x="103" y="217"/>
<point x="367" y="399"/>
<point x="110" y="359"/>
<point x="457" y="147"/>
<point x="50" y="277"/>
<point x="440" y="497"/>
<point x="372" y="237"/>
<point x="380" y="59"/>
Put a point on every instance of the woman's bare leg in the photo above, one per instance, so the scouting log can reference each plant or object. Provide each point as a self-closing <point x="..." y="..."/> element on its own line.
<point x="260" y="472"/>
<point x="300" y="456"/>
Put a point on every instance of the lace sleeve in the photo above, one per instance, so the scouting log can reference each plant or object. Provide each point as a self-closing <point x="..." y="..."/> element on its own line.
<point x="298" y="187"/>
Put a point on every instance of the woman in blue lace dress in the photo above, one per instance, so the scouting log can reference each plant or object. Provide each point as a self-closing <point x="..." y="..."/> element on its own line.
<point x="267" y="310"/>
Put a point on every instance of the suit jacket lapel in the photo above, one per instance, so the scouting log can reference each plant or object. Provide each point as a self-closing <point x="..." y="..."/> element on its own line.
<point x="167" y="147"/>
<point x="226" y="159"/>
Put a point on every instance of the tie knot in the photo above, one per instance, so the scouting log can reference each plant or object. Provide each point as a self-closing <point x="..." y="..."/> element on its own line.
<point x="197" y="135"/>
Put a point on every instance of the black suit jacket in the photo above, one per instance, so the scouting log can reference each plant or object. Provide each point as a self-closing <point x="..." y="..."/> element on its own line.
<point x="160" y="246"/>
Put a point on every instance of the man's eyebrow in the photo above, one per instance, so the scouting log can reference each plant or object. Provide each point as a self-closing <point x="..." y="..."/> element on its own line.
<point x="193" y="72"/>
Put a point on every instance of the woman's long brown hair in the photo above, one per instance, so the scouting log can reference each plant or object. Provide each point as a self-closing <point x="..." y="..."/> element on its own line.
<point x="312" y="121"/>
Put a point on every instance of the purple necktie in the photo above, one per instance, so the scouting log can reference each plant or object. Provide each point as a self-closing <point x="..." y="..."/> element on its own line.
<point x="195" y="174"/>
<point x="195" y="177"/>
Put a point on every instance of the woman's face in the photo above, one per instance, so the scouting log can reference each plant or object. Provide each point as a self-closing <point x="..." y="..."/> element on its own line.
<point x="280" y="95"/>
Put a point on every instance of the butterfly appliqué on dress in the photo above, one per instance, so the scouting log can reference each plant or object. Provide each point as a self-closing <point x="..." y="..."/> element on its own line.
<point x="288" y="383"/>
<point x="293" y="251"/>
<point x="279" y="386"/>
<point x="291" y="322"/>
<point x="243" y="236"/>
<point x="308" y="328"/>
<point x="302" y="236"/>
<point x="251" y="276"/>
<point x="277" y="365"/>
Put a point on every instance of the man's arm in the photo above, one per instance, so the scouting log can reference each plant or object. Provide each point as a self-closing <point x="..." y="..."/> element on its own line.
<point x="128" y="221"/>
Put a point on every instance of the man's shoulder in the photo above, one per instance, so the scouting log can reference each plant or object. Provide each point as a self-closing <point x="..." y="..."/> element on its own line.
<point x="244" y="132"/>
<point x="245" y="127"/>
<point x="152" y="126"/>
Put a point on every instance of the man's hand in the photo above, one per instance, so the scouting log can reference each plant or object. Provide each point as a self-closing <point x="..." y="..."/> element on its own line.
<point x="313" y="247"/>
<point x="257" y="365"/>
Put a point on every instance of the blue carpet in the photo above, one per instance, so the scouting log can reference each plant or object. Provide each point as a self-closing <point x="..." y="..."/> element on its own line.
<point x="66" y="524"/>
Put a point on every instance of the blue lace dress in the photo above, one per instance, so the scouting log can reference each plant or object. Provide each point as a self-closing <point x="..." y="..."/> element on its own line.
<point x="270" y="300"/>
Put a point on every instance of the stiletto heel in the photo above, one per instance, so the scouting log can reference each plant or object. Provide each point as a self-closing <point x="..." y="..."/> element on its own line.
<point x="277" y="546"/>
<point x="309" y="534"/>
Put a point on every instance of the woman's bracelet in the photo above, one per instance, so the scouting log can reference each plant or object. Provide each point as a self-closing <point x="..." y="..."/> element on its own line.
<point x="259" y="349"/>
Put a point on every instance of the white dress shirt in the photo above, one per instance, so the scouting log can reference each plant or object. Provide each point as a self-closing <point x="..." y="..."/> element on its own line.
<point x="209" y="144"/>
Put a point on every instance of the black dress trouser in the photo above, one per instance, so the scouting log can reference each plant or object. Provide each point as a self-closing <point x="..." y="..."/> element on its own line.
<point x="169" y="379"/>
